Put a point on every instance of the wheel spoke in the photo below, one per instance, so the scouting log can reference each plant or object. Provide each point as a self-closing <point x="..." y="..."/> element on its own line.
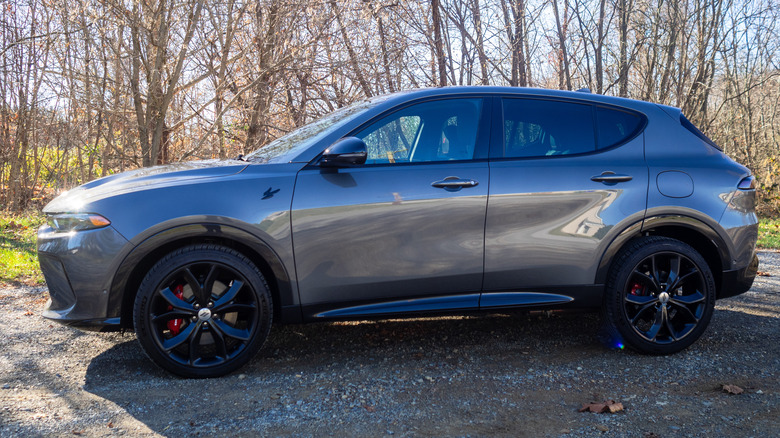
<point x="673" y="279"/>
<point x="232" y="332"/>
<point x="660" y="318"/>
<point x="236" y="307"/>
<point x="208" y="285"/>
<point x="228" y="296"/>
<point x="683" y="279"/>
<point x="656" y="275"/>
<point x="687" y="300"/>
<point x="641" y="300"/>
<point x="194" y="340"/>
<point x="197" y="288"/>
<point x="173" y="314"/>
<point x="176" y="302"/>
<point x="181" y="338"/>
<point x="688" y="312"/>
<point x="649" y="279"/>
<point x="670" y="329"/>
<point x="219" y="340"/>
<point x="641" y="311"/>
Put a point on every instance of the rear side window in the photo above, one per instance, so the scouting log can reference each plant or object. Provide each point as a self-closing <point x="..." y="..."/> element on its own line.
<point x="614" y="126"/>
<point x="538" y="128"/>
<point x="695" y="131"/>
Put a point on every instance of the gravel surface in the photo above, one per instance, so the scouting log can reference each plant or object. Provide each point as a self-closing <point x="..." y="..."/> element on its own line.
<point x="505" y="374"/>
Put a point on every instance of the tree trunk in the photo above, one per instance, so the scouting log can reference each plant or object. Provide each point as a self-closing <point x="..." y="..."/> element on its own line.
<point x="438" y="44"/>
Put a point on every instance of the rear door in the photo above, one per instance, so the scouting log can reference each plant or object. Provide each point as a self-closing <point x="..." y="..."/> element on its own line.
<point x="405" y="231"/>
<point x="563" y="175"/>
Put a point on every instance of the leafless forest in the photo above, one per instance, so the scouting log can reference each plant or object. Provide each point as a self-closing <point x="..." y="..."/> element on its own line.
<point x="94" y="87"/>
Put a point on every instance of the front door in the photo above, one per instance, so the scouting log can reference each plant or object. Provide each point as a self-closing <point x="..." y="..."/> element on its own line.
<point x="405" y="231"/>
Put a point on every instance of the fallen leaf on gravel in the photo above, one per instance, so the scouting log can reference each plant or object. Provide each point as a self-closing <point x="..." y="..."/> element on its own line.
<point x="763" y="274"/>
<point x="110" y="424"/>
<point x="733" y="389"/>
<point x="610" y="406"/>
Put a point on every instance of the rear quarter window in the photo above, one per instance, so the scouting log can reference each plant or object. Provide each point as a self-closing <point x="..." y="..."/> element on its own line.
<point x="614" y="126"/>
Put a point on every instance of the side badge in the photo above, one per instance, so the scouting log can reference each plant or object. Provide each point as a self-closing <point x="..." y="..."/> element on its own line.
<point x="270" y="193"/>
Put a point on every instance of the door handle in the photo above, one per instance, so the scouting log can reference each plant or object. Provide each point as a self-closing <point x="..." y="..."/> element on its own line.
<point x="609" y="177"/>
<point x="453" y="182"/>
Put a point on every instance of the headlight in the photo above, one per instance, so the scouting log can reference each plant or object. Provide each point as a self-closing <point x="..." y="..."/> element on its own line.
<point x="67" y="222"/>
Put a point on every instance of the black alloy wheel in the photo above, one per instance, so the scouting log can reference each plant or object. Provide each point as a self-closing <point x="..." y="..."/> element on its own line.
<point x="660" y="296"/>
<point x="202" y="311"/>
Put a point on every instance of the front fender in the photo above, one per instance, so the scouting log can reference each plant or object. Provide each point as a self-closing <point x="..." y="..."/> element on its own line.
<point x="268" y="245"/>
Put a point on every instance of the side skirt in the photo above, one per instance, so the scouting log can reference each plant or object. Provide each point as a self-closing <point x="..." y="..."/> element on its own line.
<point x="564" y="297"/>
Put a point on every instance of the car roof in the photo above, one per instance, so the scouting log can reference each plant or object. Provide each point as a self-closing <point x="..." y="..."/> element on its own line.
<point x="586" y="96"/>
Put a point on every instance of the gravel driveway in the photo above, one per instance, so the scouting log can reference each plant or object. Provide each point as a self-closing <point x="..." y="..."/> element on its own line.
<point x="506" y="374"/>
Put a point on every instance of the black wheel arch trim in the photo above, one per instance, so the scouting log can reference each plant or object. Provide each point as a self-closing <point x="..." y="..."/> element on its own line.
<point x="162" y="237"/>
<point x="649" y="223"/>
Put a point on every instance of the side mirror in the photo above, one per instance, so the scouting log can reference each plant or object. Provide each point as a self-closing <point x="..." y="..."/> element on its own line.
<point x="347" y="152"/>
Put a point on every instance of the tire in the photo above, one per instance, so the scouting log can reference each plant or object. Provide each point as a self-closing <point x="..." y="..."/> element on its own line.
<point x="659" y="298"/>
<point x="202" y="311"/>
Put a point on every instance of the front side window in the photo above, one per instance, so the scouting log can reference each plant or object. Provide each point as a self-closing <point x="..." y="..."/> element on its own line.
<point x="441" y="130"/>
<point x="539" y="128"/>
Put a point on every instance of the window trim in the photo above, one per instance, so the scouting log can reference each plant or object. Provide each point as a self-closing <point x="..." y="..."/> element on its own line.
<point x="693" y="129"/>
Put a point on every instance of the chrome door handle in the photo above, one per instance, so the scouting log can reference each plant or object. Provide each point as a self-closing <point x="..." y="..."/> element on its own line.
<point x="453" y="182"/>
<point x="611" y="177"/>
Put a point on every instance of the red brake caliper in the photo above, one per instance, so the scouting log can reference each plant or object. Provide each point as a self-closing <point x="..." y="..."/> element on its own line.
<point x="174" y="325"/>
<point x="638" y="289"/>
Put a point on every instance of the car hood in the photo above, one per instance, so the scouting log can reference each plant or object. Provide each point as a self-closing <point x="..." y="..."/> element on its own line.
<point x="75" y="200"/>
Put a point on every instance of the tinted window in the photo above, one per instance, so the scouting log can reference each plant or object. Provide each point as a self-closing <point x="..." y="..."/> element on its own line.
<point x="439" y="130"/>
<point x="536" y="128"/>
<point x="615" y="126"/>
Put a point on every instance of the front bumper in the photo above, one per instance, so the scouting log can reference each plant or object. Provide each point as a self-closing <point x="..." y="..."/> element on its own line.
<point x="79" y="268"/>
<point x="738" y="281"/>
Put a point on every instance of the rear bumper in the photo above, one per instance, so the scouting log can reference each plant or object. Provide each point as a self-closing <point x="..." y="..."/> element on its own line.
<point x="738" y="281"/>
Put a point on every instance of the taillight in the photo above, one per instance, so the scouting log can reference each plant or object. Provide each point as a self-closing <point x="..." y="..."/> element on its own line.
<point x="747" y="183"/>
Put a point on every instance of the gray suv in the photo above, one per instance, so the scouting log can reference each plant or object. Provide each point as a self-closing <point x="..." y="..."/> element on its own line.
<point x="431" y="201"/>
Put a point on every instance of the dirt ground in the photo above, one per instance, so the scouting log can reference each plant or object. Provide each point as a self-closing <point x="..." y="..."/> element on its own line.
<point x="505" y="374"/>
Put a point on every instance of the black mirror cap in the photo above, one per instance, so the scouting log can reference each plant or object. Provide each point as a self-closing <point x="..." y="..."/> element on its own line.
<point x="347" y="152"/>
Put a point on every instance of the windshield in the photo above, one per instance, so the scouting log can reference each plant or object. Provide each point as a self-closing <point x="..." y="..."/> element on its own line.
<point x="284" y="148"/>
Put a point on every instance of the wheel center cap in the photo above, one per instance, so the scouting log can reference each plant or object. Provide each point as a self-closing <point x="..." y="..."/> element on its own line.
<point x="664" y="298"/>
<point x="204" y="314"/>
